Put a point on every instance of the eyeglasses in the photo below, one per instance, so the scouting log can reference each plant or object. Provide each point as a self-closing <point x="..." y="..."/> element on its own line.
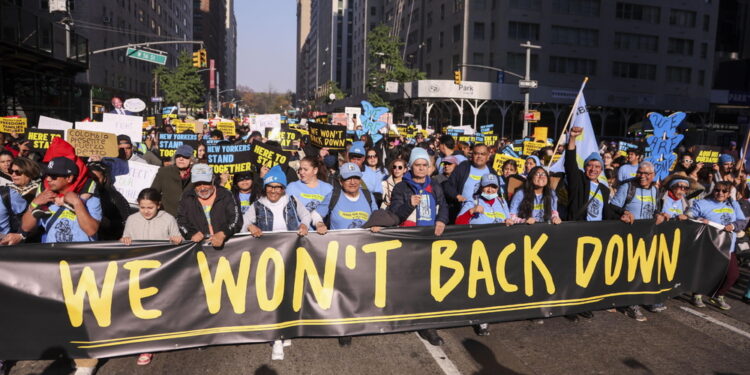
<point x="540" y="174"/>
<point x="681" y="187"/>
<point x="644" y="173"/>
<point x="275" y="188"/>
<point x="688" y="161"/>
<point x="16" y="172"/>
<point x="398" y="167"/>
<point x="372" y="156"/>
<point x="723" y="191"/>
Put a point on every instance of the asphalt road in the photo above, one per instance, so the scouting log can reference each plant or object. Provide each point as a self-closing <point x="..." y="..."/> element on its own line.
<point x="675" y="341"/>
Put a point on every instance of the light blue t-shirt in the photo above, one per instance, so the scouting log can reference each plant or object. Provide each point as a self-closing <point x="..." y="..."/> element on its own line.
<point x="626" y="172"/>
<point x="459" y="159"/>
<point x="643" y="204"/>
<point x="66" y="227"/>
<point x="245" y="201"/>
<point x="672" y="207"/>
<point x="309" y="197"/>
<point x="495" y="213"/>
<point x="724" y="213"/>
<point x="347" y="214"/>
<point x="596" y="207"/>
<point x="538" y="211"/>
<point x="475" y="175"/>
<point x="17" y="205"/>
<point x="374" y="179"/>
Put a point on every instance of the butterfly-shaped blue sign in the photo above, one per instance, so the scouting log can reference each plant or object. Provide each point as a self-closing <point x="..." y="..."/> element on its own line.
<point x="664" y="141"/>
<point x="370" y="123"/>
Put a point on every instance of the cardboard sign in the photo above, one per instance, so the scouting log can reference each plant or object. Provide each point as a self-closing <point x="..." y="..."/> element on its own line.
<point x="708" y="154"/>
<point x="529" y="148"/>
<point x="139" y="177"/>
<point x="514" y="183"/>
<point x="497" y="163"/>
<point x="487" y="129"/>
<point x="260" y="122"/>
<point x="132" y="126"/>
<point x="90" y="143"/>
<point x="331" y="136"/>
<point x="40" y="139"/>
<point x="12" y="125"/>
<point x="230" y="158"/>
<point x="168" y="143"/>
<point x="228" y="128"/>
<point x="53" y="124"/>
<point x="540" y="133"/>
<point x="264" y="155"/>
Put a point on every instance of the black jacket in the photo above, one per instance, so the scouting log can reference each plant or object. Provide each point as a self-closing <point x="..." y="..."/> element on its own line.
<point x="578" y="191"/>
<point x="225" y="214"/>
<point x="401" y="201"/>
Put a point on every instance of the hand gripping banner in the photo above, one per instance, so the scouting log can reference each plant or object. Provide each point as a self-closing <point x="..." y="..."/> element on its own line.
<point x="105" y="299"/>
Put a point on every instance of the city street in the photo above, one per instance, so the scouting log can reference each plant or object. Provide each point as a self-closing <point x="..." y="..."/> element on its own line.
<point x="681" y="340"/>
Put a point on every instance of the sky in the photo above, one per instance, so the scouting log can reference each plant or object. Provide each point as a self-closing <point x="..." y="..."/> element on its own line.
<point x="266" y="40"/>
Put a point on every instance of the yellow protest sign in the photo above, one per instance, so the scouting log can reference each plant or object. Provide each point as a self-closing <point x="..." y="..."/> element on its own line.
<point x="529" y="148"/>
<point x="227" y="127"/>
<point x="89" y="143"/>
<point x="150" y="121"/>
<point x="540" y="134"/>
<point x="183" y="126"/>
<point x="12" y="125"/>
<point x="490" y="140"/>
<point x="497" y="163"/>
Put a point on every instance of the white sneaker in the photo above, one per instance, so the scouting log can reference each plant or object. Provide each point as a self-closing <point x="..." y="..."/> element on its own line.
<point x="84" y="371"/>
<point x="277" y="354"/>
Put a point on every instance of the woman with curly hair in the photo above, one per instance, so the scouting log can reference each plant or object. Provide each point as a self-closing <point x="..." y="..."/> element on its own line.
<point x="536" y="202"/>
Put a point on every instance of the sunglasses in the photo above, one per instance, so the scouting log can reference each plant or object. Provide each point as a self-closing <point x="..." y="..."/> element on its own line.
<point x="398" y="167"/>
<point x="723" y="191"/>
<point x="372" y="156"/>
<point x="16" y="172"/>
<point x="688" y="161"/>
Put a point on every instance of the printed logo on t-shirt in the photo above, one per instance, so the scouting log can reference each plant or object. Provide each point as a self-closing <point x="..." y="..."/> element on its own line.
<point x="645" y="198"/>
<point x="475" y="177"/>
<point x="495" y="215"/>
<point x="354" y="215"/>
<point x="316" y="197"/>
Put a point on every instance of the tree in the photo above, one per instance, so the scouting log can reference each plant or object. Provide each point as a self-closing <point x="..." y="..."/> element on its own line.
<point x="385" y="64"/>
<point x="264" y="102"/>
<point x="182" y="84"/>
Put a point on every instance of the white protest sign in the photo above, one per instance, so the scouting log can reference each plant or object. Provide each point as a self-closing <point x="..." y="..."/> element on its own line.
<point x="267" y="121"/>
<point x="134" y="105"/>
<point x="131" y="126"/>
<point x="139" y="177"/>
<point x="53" y="124"/>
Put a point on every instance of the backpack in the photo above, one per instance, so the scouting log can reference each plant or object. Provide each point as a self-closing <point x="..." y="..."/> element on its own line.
<point x="13" y="220"/>
<point x="336" y="194"/>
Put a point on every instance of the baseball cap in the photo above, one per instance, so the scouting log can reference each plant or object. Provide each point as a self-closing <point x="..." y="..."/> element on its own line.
<point x="201" y="173"/>
<point x="124" y="138"/>
<point x="358" y="148"/>
<point x="61" y="166"/>
<point x="186" y="151"/>
<point x="450" y="160"/>
<point x="350" y="170"/>
<point x="489" y="179"/>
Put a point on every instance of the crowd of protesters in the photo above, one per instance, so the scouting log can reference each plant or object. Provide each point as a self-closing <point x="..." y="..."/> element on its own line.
<point x="434" y="182"/>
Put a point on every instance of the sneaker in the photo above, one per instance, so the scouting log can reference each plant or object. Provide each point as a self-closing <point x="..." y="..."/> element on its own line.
<point x="482" y="329"/>
<point x="635" y="313"/>
<point x="698" y="300"/>
<point x="84" y="371"/>
<point x="144" y="359"/>
<point x="431" y="336"/>
<point x="345" y="341"/>
<point x="656" y="308"/>
<point x="721" y="303"/>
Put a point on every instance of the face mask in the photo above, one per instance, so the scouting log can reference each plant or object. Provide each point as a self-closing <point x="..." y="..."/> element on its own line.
<point x="489" y="196"/>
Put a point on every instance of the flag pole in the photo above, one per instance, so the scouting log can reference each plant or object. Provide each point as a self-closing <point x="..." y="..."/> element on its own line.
<point x="744" y="152"/>
<point x="567" y="122"/>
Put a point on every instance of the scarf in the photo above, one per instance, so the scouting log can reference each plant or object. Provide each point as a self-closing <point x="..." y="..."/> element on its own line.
<point x="426" y="211"/>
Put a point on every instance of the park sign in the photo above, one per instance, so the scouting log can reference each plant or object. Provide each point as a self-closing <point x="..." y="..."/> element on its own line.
<point x="147" y="56"/>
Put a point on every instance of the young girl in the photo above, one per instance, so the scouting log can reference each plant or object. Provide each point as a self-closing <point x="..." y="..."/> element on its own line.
<point x="153" y="224"/>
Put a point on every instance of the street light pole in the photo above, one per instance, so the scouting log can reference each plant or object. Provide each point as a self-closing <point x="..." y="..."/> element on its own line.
<point x="526" y="90"/>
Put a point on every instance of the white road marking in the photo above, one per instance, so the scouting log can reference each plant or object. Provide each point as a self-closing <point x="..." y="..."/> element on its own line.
<point x="717" y="322"/>
<point x="439" y="355"/>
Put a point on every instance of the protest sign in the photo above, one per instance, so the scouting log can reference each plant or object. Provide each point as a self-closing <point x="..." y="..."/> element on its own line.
<point x="227" y="128"/>
<point x="664" y="141"/>
<point x="490" y="140"/>
<point x="230" y="158"/>
<point x="13" y="124"/>
<point x="289" y="139"/>
<point x="268" y="156"/>
<point x="540" y="133"/>
<point x="53" y="124"/>
<point x="353" y="114"/>
<point x="331" y="136"/>
<point x="139" y="177"/>
<point x="405" y="279"/>
<point x="116" y="124"/>
<point x="623" y="147"/>
<point x="92" y="143"/>
<point x="134" y="105"/>
<point x="466" y="138"/>
<point x="529" y="148"/>
<point x="497" y="163"/>
<point x="265" y="121"/>
<point x="487" y="129"/>
<point x="168" y="143"/>
<point x="151" y="120"/>
<point x="40" y="139"/>
<point x="373" y="120"/>
<point x="707" y="154"/>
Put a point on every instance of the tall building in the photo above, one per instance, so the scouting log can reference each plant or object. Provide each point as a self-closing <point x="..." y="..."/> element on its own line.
<point x="215" y="24"/>
<point x="38" y="68"/>
<point x="113" y="23"/>
<point x="230" y="57"/>
<point x="303" y="30"/>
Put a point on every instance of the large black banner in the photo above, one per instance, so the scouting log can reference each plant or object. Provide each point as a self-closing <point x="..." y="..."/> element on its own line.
<point x="106" y="299"/>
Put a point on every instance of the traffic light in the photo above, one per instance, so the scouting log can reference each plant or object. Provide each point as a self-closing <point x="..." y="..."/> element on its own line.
<point x="197" y="59"/>
<point x="203" y="58"/>
<point x="457" y="77"/>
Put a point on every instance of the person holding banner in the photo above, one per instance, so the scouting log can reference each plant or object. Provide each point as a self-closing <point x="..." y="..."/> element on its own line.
<point x="244" y="190"/>
<point x="348" y="206"/>
<point x="486" y="206"/>
<point x="275" y="210"/>
<point x="310" y="189"/>
<point x="208" y="212"/>
<point x="536" y="202"/>
<point x="719" y="208"/>
<point x="674" y="203"/>
<point x="462" y="184"/>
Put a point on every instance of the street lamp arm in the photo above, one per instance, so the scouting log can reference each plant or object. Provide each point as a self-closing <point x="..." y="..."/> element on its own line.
<point x="146" y="45"/>
<point x="492" y="68"/>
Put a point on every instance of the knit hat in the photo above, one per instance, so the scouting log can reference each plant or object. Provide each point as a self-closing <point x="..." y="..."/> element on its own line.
<point x="594" y="156"/>
<point x="536" y="159"/>
<point x="350" y="170"/>
<point x="275" y="175"/>
<point x="726" y="158"/>
<point x="419" y="153"/>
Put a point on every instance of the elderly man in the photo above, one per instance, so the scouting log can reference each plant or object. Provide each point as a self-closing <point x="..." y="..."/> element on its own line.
<point x="348" y="206"/>
<point x="208" y="211"/>
<point x="637" y="200"/>
<point x="171" y="181"/>
<point x="588" y="197"/>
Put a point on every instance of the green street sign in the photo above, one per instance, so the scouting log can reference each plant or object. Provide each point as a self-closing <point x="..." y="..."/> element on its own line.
<point x="147" y="56"/>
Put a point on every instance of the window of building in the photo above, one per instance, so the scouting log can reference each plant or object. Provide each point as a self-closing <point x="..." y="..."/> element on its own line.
<point x="455" y="61"/>
<point x="558" y="64"/>
<point x="428" y="45"/>
<point x="678" y="74"/>
<point x="634" y="70"/>
<point x="458" y="6"/>
<point x="516" y="61"/>
<point x="577" y="7"/>
<point x="440" y="67"/>
<point x="678" y="46"/>
<point x="428" y="69"/>
<point x="523" y="31"/>
<point x="702" y="77"/>
<point x="637" y="12"/>
<point x="706" y="22"/>
<point x="704" y="50"/>
<point x="575" y="36"/>
<point x="526" y="4"/>
<point x="478" y="30"/>
<point x="477" y="58"/>
<point x="636" y="42"/>
<point x="456" y="33"/>
<point x="373" y="11"/>
<point x="441" y="39"/>
<point x="442" y="12"/>
<point x="683" y="18"/>
<point x="492" y="31"/>
<point x="429" y="19"/>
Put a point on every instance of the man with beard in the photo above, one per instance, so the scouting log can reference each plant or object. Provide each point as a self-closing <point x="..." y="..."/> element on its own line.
<point x="171" y="181"/>
<point x="125" y="150"/>
<point x="208" y="212"/>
